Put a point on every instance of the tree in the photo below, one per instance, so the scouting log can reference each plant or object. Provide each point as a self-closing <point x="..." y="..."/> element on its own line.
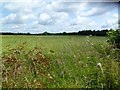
<point x="45" y="33"/>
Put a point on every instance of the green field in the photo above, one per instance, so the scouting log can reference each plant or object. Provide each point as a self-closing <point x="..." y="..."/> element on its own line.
<point x="59" y="62"/>
<point x="53" y="42"/>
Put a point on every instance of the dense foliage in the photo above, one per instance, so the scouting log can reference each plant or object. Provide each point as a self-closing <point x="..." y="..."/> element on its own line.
<point x="114" y="38"/>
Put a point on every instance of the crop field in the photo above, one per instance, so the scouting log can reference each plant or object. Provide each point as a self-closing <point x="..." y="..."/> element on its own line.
<point x="59" y="62"/>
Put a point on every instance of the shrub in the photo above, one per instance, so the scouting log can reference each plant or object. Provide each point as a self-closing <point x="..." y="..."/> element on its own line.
<point x="114" y="38"/>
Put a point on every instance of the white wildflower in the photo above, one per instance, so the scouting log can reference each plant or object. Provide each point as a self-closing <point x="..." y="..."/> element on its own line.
<point x="50" y="76"/>
<point x="99" y="65"/>
<point x="92" y="44"/>
<point x="87" y="37"/>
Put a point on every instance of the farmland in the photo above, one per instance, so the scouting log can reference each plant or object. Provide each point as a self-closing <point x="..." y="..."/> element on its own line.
<point x="59" y="62"/>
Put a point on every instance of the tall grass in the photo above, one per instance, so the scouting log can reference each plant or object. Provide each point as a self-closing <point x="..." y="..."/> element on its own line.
<point x="60" y="62"/>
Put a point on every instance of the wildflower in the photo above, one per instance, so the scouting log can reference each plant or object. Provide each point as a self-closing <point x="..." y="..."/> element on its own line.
<point x="108" y="56"/>
<point x="34" y="80"/>
<point x="88" y="57"/>
<point x="87" y="37"/>
<point x="26" y="79"/>
<point x="102" y="46"/>
<point x="90" y="35"/>
<point x="50" y="76"/>
<point x="99" y="65"/>
<point x="92" y="44"/>
<point x="88" y="40"/>
<point x="74" y="56"/>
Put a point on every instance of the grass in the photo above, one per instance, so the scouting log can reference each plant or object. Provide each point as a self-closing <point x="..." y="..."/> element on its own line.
<point x="59" y="62"/>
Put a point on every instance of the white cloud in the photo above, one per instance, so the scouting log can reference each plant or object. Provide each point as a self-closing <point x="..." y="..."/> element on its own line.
<point x="12" y="18"/>
<point x="10" y="7"/>
<point x="28" y="17"/>
<point x="45" y="19"/>
<point x="18" y="18"/>
<point x="80" y="20"/>
<point x="62" y="18"/>
<point x="92" y="23"/>
<point x="51" y="15"/>
<point x="111" y="22"/>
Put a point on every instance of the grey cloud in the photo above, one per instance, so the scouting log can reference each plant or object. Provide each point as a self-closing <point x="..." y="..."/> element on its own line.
<point x="98" y="8"/>
<point x="105" y="26"/>
<point x="48" y="22"/>
<point x="45" y="22"/>
<point x="95" y="8"/>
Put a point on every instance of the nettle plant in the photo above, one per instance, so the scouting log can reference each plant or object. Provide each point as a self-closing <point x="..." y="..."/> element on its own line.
<point x="114" y="38"/>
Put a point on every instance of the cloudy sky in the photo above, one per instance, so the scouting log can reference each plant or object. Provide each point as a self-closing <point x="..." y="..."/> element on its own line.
<point x="37" y="16"/>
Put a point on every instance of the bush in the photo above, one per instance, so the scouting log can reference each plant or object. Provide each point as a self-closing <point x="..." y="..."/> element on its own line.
<point x="114" y="38"/>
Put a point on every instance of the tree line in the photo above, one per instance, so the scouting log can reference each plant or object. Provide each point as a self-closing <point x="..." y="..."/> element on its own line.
<point x="83" y="32"/>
